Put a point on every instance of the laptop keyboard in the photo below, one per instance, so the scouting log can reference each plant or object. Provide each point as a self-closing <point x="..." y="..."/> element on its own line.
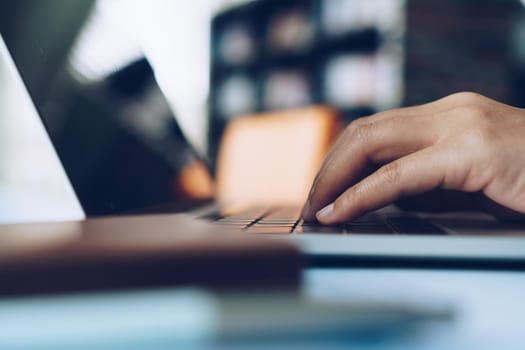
<point x="286" y="220"/>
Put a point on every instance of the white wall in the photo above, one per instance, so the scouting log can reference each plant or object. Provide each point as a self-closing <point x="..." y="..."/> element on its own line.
<point x="173" y="34"/>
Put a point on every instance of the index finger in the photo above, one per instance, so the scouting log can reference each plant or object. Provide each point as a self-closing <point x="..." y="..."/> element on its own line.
<point x="406" y="176"/>
<point x="367" y="142"/>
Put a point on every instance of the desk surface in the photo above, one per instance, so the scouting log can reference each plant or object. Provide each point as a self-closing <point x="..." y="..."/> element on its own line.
<point x="489" y="313"/>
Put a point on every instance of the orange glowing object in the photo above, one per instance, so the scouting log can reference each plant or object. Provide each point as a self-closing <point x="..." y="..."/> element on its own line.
<point x="272" y="158"/>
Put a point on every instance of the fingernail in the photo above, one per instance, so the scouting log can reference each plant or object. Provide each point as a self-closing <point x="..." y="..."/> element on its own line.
<point x="325" y="213"/>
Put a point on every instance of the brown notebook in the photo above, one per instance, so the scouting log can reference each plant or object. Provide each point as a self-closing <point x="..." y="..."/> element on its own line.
<point x="140" y="251"/>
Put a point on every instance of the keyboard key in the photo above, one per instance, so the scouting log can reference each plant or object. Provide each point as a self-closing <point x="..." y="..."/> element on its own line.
<point x="310" y="228"/>
<point x="277" y="222"/>
<point x="230" y="225"/>
<point x="268" y="229"/>
<point x="235" y="221"/>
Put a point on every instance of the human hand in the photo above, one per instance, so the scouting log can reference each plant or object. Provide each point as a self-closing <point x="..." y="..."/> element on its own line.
<point x="463" y="142"/>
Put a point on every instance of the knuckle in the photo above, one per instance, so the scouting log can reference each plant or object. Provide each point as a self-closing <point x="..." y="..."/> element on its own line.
<point x="391" y="172"/>
<point x="359" y="129"/>
<point x="350" y="200"/>
<point x="476" y="118"/>
<point x="467" y="97"/>
<point x="354" y="125"/>
<point x="474" y="114"/>
<point x="480" y="139"/>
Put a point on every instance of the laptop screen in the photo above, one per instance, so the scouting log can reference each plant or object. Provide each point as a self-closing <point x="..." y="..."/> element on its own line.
<point x="108" y="120"/>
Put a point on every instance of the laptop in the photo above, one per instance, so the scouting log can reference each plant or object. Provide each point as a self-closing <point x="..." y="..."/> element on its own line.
<point x="47" y="245"/>
<point x="123" y="184"/>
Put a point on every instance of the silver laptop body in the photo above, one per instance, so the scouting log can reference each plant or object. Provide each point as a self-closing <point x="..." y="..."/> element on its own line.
<point x="453" y="240"/>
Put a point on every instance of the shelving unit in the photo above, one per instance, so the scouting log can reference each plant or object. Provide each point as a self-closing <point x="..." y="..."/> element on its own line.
<point x="270" y="54"/>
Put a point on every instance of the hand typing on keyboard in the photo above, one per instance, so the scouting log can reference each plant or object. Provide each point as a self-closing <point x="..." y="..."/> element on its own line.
<point x="464" y="142"/>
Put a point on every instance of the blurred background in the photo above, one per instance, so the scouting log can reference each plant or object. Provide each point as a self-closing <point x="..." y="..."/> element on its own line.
<point x="138" y="93"/>
<point x="361" y="56"/>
